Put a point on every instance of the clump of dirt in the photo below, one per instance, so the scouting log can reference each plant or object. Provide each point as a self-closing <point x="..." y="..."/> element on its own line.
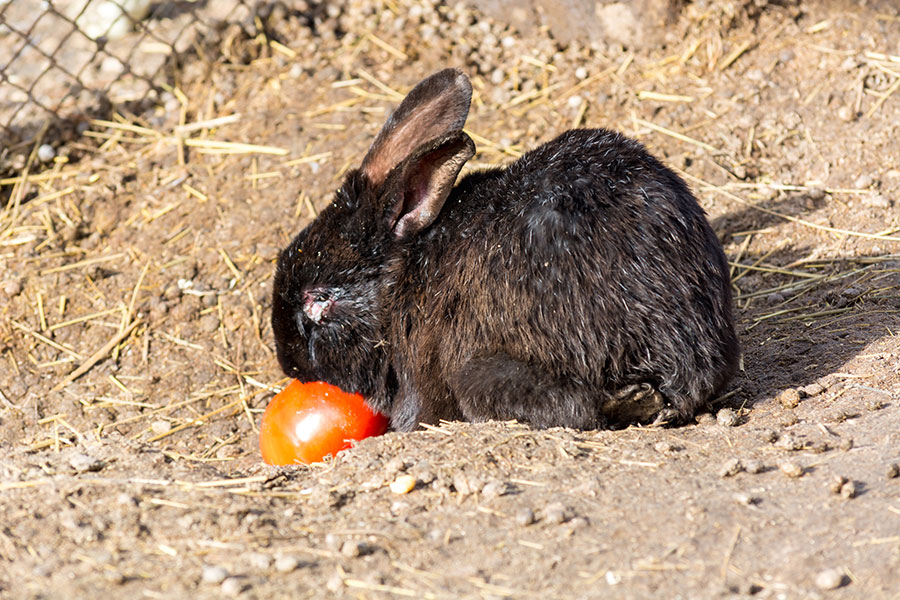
<point x="136" y="345"/>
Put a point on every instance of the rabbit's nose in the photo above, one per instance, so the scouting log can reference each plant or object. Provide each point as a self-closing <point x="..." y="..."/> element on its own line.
<point x="315" y="307"/>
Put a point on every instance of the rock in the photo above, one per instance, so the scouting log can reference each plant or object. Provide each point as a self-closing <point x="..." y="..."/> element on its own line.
<point x="232" y="587"/>
<point x="813" y="389"/>
<point x="524" y="517"/>
<point x="863" y="181"/>
<point x="286" y="563"/>
<point x="791" y="469"/>
<point x="83" y="463"/>
<point x="259" y="561"/>
<point x="876" y="201"/>
<point x="829" y="579"/>
<point x="495" y="488"/>
<point x="753" y="466"/>
<point x="213" y="574"/>
<point x="789" y="398"/>
<point x="556" y="513"/>
<point x="160" y="427"/>
<point x="11" y="288"/>
<point x="46" y="153"/>
<point x="353" y="548"/>
<point x="836" y="483"/>
<point x="664" y="447"/>
<point x="731" y="467"/>
<point x="788" y="442"/>
<point x="893" y="471"/>
<point x="745" y="499"/>
<point x="727" y="417"/>
<point x="848" y="490"/>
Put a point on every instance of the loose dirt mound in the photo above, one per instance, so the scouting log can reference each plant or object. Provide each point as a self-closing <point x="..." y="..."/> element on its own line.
<point x="137" y="356"/>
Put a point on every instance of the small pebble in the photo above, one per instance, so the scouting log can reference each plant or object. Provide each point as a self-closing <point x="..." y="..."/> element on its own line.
<point x="160" y="427"/>
<point x="819" y="447"/>
<point x="791" y="469"/>
<point x="845" y="113"/>
<point x="744" y="498"/>
<point x="848" y="490"/>
<point x="789" y="398"/>
<point x="422" y="472"/>
<point x="12" y="288"/>
<point x="127" y="499"/>
<point x="286" y="563"/>
<point x="816" y="193"/>
<point x="579" y="523"/>
<point x="705" y="419"/>
<point x="874" y="404"/>
<point x="556" y="513"/>
<point x="893" y="471"/>
<point x="876" y="201"/>
<point x="403" y="484"/>
<point x="232" y="586"/>
<point x="753" y="466"/>
<point x="83" y="463"/>
<point x="813" y="389"/>
<point x="395" y="465"/>
<point x="494" y="489"/>
<point x="581" y="73"/>
<point x="209" y="323"/>
<point x="768" y="435"/>
<point x="259" y="560"/>
<point x="114" y="577"/>
<point x="334" y="584"/>
<point x="863" y="181"/>
<point x="731" y="467"/>
<point x="663" y="447"/>
<point x="836" y="483"/>
<point x="846" y="444"/>
<point x="574" y="101"/>
<point x="213" y="574"/>
<point x="775" y="298"/>
<point x="788" y="442"/>
<point x="727" y="417"/>
<point x="46" y="153"/>
<point x="466" y="485"/>
<point x="353" y="548"/>
<point x="829" y="579"/>
<point x="524" y="516"/>
<point x="788" y="419"/>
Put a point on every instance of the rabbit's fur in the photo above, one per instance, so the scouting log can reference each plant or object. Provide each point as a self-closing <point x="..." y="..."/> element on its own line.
<point x="581" y="286"/>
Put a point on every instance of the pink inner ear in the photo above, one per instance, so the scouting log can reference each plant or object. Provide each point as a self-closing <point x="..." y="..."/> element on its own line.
<point x="424" y="125"/>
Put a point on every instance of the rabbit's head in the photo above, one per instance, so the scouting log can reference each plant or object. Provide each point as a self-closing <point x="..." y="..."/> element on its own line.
<point x="332" y="281"/>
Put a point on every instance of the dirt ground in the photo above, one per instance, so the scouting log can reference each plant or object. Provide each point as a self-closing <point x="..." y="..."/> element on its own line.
<point x="137" y="354"/>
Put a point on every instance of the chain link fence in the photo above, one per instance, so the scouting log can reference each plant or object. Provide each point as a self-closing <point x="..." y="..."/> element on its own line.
<point x="62" y="58"/>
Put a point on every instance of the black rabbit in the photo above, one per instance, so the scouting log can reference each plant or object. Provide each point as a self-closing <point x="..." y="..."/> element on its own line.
<point x="581" y="286"/>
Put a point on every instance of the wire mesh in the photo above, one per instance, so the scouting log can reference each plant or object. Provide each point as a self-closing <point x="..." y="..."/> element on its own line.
<point x="60" y="58"/>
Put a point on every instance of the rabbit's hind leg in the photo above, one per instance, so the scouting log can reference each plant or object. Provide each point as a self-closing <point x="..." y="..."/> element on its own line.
<point x="499" y="387"/>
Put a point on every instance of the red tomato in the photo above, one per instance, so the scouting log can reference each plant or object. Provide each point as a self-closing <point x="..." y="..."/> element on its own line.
<point x="307" y="421"/>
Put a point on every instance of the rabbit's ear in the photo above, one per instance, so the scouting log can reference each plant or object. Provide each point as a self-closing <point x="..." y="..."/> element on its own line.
<point x="434" y="108"/>
<point x="418" y="187"/>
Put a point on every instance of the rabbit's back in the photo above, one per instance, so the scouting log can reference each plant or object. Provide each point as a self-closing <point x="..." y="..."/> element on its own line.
<point x="587" y="259"/>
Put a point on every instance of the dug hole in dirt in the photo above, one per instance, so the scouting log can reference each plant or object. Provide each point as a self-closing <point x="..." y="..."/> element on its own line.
<point x="137" y="357"/>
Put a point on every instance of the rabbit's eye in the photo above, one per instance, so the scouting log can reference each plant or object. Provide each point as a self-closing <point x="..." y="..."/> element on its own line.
<point x="317" y="305"/>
